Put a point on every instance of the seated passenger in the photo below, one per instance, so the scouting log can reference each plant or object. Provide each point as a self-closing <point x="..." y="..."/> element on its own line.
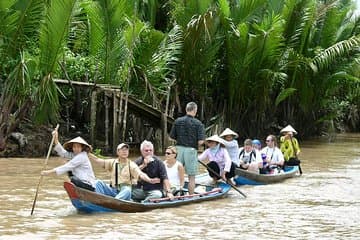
<point x="124" y="174"/>
<point x="274" y="156"/>
<point x="231" y="144"/>
<point x="174" y="169"/>
<point x="154" y="168"/>
<point x="249" y="158"/>
<point x="256" y="144"/>
<point x="219" y="159"/>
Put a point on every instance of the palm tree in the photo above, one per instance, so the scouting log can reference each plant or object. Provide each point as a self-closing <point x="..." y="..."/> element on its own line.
<point x="30" y="58"/>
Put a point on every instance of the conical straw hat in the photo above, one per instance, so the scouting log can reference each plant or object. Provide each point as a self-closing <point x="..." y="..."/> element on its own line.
<point x="288" y="128"/>
<point x="228" y="131"/>
<point x="68" y="144"/>
<point x="215" y="138"/>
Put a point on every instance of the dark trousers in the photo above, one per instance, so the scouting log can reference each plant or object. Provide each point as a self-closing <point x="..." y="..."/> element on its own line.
<point x="215" y="167"/>
<point x="81" y="184"/>
<point x="293" y="162"/>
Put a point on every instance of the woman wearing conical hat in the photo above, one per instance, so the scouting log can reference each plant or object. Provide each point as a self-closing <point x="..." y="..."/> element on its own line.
<point x="289" y="146"/>
<point x="79" y="165"/>
<point x="219" y="159"/>
<point x="231" y="144"/>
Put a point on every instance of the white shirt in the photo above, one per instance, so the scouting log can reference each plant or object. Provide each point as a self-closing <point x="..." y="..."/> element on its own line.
<point x="79" y="165"/>
<point x="245" y="156"/>
<point x="173" y="175"/>
<point x="274" y="154"/>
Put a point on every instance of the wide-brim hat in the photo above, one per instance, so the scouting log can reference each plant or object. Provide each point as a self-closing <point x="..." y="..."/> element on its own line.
<point x="228" y="131"/>
<point x="215" y="138"/>
<point x="288" y="128"/>
<point x="80" y="140"/>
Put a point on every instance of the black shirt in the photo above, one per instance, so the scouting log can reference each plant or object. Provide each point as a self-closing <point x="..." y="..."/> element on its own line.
<point x="154" y="169"/>
<point x="187" y="131"/>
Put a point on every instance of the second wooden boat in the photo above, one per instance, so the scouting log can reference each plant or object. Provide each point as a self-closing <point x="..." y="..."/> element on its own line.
<point x="245" y="177"/>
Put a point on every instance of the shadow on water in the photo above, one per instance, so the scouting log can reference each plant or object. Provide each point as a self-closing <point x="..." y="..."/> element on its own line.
<point x="324" y="203"/>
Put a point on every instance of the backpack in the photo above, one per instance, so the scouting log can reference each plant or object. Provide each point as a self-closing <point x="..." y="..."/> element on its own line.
<point x="252" y="154"/>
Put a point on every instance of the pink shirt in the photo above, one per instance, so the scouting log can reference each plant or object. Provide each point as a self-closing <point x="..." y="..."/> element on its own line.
<point x="221" y="157"/>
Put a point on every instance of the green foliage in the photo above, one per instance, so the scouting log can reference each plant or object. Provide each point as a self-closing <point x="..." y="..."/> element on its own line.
<point x="259" y="63"/>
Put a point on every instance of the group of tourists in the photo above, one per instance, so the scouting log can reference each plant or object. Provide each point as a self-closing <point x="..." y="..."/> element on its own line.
<point x="149" y="177"/>
<point x="270" y="159"/>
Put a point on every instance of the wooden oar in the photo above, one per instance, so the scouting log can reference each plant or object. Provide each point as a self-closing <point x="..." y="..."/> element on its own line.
<point x="227" y="181"/>
<point x="44" y="167"/>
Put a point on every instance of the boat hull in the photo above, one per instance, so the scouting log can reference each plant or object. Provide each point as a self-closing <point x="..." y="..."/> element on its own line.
<point x="90" y="202"/>
<point x="245" y="177"/>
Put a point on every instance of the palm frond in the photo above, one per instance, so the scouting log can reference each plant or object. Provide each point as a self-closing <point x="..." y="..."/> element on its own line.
<point x="330" y="55"/>
<point x="284" y="94"/>
<point x="53" y="34"/>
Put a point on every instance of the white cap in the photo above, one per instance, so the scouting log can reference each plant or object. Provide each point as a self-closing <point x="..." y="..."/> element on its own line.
<point x="121" y="145"/>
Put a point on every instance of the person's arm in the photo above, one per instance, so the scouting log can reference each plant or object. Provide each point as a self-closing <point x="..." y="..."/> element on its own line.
<point x="146" y="178"/>
<point x="167" y="188"/>
<point x="227" y="160"/>
<point x="97" y="160"/>
<point x="48" y="172"/>
<point x="201" y="134"/>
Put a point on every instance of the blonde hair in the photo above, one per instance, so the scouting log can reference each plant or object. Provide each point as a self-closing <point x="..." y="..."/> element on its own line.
<point x="172" y="149"/>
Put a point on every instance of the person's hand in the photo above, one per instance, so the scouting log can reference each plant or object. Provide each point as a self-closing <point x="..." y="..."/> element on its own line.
<point x="148" y="159"/>
<point x="45" y="172"/>
<point x="55" y="135"/>
<point x="170" y="195"/>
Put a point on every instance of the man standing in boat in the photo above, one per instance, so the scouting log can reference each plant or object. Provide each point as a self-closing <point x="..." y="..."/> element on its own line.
<point x="189" y="134"/>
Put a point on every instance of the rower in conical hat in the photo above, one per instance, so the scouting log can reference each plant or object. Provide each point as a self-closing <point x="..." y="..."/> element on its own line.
<point x="288" y="129"/>
<point x="228" y="132"/>
<point x="69" y="144"/>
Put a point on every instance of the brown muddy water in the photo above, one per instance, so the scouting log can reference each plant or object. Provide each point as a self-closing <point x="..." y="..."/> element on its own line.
<point x="324" y="203"/>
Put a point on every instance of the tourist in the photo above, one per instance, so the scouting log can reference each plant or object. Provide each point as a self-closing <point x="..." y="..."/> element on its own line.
<point x="249" y="158"/>
<point x="175" y="170"/>
<point x="154" y="168"/>
<point x="189" y="134"/>
<point x="274" y="156"/>
<point x="256" y="144"/>
<point x="124" y="174"/>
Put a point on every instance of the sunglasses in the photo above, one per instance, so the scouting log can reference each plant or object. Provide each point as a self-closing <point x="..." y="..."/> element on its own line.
<point x="268" y="140"/>
<point x="168" y="153"/>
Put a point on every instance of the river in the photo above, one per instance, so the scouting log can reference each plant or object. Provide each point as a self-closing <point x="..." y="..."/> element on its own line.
<point x="324" y="203"/>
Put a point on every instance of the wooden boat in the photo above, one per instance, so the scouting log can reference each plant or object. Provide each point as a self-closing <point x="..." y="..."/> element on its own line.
<point x="245" y="177"/>
<point x="89" y="202"/>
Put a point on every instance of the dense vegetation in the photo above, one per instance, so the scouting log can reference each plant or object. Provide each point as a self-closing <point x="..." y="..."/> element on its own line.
<point x="252" y="65"/>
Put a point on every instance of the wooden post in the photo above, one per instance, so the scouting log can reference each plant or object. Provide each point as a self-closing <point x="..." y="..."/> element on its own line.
<point x="164" y="134"/>
<point x="93" y="117"/>
<point x="107" y="106"/>
<point x="115" y="136"/>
